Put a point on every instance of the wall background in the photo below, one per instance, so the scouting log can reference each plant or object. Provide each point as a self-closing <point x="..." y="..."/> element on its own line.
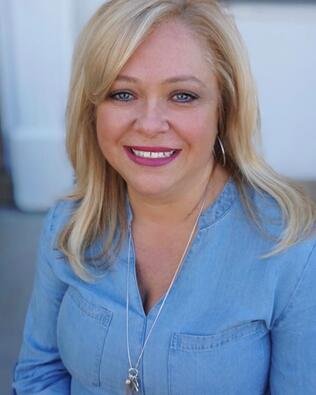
<point x="281" y="41"/>
<point x="36" y="41"/>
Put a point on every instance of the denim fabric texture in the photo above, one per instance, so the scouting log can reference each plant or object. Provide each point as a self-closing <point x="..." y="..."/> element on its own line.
<point x="233" y="324"/>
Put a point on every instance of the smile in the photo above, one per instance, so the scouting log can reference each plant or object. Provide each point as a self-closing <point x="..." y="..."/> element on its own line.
<point x="151" y="156"/>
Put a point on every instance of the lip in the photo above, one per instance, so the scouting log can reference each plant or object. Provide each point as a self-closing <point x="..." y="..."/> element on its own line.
<point x="150" y="149"/>
<point x="151" y="162"/>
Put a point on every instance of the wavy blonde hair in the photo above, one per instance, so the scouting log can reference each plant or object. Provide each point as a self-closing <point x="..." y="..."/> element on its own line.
<point x="104" y="46"/>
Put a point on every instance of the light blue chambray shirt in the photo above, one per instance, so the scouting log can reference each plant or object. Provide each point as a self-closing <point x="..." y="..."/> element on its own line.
<point x="233" y="324"/>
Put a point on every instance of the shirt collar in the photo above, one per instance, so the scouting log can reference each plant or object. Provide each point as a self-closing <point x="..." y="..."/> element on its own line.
<point x="220" y="206"/>
<point x="210" y="214"/>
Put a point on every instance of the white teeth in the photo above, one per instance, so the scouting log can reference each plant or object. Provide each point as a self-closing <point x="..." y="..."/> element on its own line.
<point x="152" y="155"/>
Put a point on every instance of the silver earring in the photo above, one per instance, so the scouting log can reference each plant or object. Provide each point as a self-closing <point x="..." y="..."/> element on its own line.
<point x="222" y="149"/>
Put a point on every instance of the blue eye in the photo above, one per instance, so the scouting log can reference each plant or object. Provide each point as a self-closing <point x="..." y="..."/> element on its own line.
<point x="122" y="96"/>
<point x="183" y="97"/>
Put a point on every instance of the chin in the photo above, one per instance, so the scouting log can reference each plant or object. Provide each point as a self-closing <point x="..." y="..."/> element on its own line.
<point x="151" y="188"/>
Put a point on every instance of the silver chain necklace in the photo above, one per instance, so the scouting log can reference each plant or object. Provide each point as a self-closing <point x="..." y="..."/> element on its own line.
<point x="132" y="381"/>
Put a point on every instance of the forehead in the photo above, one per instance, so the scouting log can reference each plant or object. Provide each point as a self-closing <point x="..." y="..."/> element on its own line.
<point x="171" y="49"/>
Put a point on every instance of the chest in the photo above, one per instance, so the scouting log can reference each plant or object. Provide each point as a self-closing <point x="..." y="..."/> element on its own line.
<point x="156" y="265"/>
<point x="201" y="329"/>
<point x="159" y="253"/>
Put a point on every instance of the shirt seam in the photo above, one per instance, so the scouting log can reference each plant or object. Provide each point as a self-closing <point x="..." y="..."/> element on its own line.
<point x="48" y="235"/>
<point x="52" y="217"/>
<point x="295" y="291"/>
<point x="221" y="217"/>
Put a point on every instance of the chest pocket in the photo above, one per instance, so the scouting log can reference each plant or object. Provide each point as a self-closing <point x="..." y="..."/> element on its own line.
<point x="234" y="361"/>
<point x="82" y="329"/>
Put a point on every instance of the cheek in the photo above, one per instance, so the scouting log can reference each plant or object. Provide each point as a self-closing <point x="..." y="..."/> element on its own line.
<point x="104" y="125"/>
<point x="105" y="134"/>
<point x="109" y="131"/>
<point x="112" y="124"/>
<point x="200" y="130"/>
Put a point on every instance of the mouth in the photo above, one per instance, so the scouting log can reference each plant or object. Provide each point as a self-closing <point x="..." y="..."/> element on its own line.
<point x="151" y="156"/>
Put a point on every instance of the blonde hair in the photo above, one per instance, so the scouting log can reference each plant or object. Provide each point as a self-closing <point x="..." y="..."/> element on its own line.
<point x="104" y="46"/>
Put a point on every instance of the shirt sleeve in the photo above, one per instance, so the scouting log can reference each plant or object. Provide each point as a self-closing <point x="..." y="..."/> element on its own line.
<point x="39" y="369"/>
<point x="293" y="359"/>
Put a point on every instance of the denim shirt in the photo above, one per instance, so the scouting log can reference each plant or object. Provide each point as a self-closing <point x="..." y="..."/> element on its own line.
<point x="233" y="323"/>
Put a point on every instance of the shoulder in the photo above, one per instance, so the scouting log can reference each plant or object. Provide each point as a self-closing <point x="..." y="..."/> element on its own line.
<point x="270" y="229"/>
<point x="291" y="271"/>
<point x="265" y="206"/>
<point x="272" y="220"/>
<point x="57" y="217"/>
<point x="295" y="280"/>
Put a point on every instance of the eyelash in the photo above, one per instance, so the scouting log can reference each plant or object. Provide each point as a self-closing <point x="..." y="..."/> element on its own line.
<point x="190" y="97"/>
<point x="115" y="95"/>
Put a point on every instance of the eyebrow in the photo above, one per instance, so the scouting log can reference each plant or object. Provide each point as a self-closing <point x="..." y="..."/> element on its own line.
<point x="171" y="80"/>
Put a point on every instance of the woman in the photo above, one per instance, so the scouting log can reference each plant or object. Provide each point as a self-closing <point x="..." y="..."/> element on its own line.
<point x="181" y="264"/>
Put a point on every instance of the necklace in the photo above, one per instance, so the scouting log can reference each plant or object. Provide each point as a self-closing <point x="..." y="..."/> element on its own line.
<point x="132" y="381"/>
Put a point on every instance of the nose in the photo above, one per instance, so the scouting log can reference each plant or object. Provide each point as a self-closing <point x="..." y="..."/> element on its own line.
<point x="152" y="119"/>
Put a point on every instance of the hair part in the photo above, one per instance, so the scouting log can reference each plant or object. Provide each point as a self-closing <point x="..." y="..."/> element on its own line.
<point x="106" y="43"/>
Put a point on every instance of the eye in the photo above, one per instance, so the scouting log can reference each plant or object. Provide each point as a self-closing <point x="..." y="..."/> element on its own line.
<point x="121" y="96"/>
<point x="184" y="97"/>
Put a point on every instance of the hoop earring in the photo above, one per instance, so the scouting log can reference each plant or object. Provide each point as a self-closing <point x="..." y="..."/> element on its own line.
<point x="222" y="149"/>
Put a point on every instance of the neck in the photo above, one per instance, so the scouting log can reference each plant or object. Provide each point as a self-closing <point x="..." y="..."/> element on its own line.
<point x="181" y="207"/>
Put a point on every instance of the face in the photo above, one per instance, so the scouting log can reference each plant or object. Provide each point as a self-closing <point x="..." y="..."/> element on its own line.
<point x="158" y="124"/>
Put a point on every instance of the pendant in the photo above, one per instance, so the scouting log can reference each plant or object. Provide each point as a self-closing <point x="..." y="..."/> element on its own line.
<point x="132" y="380"/>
